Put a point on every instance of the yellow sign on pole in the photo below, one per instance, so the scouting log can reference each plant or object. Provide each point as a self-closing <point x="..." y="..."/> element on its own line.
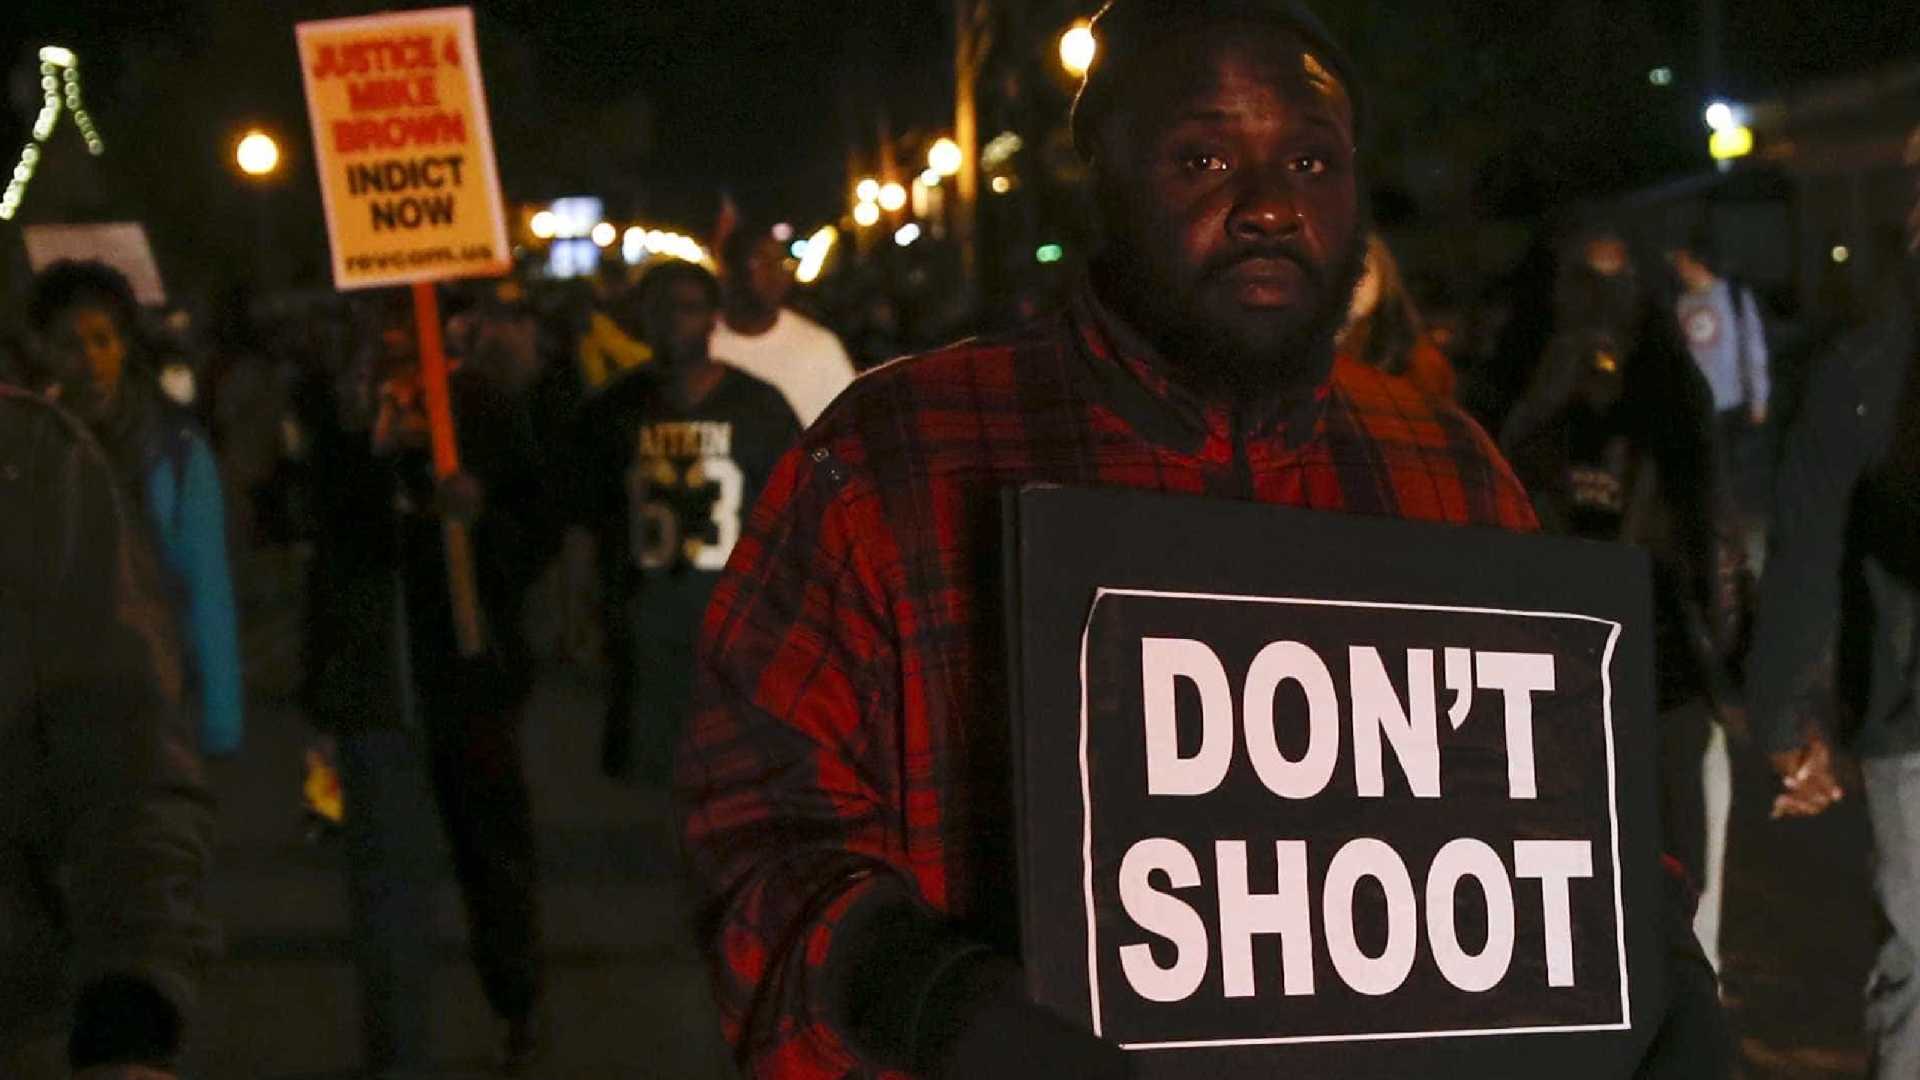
<point x="404" y="149"/>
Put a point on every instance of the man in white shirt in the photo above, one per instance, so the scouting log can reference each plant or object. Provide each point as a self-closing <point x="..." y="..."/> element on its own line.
<point x="1722" y="325"/>
<point x="801" y="358"/>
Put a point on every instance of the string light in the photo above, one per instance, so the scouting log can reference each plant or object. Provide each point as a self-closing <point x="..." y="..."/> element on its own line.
<point x="60" y="87"/>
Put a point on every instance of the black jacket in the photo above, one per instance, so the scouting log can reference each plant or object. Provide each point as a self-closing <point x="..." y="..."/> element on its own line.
<point x="1843" y="579"/>
<point x="104" y="819"/>
<point x="378" y="534"/>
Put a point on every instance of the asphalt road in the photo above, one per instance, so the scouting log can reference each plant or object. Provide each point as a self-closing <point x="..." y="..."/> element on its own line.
<point x="626" y="994"/>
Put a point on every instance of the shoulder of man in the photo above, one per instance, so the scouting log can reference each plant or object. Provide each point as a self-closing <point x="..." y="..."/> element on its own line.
<point x="958" y="380"/>
<point x="1403" y="421"/>
<point x="760" y="395"/>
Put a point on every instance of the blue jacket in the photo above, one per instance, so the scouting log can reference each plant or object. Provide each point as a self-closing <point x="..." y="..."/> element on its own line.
<point x="189" y="520"/>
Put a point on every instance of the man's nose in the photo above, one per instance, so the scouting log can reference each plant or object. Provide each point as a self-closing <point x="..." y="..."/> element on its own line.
<point x="1267" y="207"/>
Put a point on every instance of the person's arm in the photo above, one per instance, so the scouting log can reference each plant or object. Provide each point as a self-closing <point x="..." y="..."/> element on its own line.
<point x="827" y="956"/>
<point x="212" y="620"/>
<point x="1800" y="594"/>
<point x="122" y="776"/>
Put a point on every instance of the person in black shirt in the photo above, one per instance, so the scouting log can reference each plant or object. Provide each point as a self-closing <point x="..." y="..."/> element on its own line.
<point x="678" y="452"/>
<point x="1843" y="581"/>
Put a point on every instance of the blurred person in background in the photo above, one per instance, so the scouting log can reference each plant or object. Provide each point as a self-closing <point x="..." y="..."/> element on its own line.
<point x="401" y="709"/>
<point x="611" y="341"/>
<point x="1384" y="328"/>
<point x="1843" y="580"/>
<point x="1727" y="336"/>
<point x="105" y="821"/>
<point x="878" y="335"/>
<point x="761" y="336"/>
<point x="95" y="361"/>
<point x="672" y="457"/>
<point x="1614" y="439"/>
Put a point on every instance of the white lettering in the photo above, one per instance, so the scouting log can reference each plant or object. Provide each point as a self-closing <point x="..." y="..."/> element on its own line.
<point x="1469" y="858"/>
<point x="1244" y="914"/>
<point x="1414" y="731"/>
<point x="1280" y="662"/>
<point x="1162" y="660"/>
<point x="1518" y="676"/>
<point x="1374" y="976"/>
<point x="1554" y="863"/>
<point x="1163" y="915"/>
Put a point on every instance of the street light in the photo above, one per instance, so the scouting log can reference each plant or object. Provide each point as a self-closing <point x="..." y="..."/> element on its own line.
<point x="866" y="215"/>
<point x="1078" y="48"/>
<point x="945" y="158"/>
<point x="867" y="190"/>
<point x="257" y="155"/>
<point x="544" y="225"/>
<point x="892" y="198"/>
<point x="604" y="234"/>
<point x="819" y="246"/>
<point x="1720" y="116"/>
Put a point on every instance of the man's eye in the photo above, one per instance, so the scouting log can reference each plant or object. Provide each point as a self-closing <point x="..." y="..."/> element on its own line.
<point x="1205" y="163"/>
<point x="1309" y="164"/>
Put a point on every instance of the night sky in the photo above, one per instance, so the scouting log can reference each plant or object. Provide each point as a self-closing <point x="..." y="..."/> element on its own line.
<point x="659" y="104"/>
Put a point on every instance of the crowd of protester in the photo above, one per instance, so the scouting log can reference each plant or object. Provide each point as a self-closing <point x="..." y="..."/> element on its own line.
<point x="615" y="436"/>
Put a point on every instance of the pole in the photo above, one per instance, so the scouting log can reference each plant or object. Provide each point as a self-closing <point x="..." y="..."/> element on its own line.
<point x="969" y="18"/>
<point x="1713" y="36"/>
<point x="461" y="587"/>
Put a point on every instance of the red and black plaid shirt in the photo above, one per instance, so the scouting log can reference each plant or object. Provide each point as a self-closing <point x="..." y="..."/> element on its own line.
<point x="852" y="726"/>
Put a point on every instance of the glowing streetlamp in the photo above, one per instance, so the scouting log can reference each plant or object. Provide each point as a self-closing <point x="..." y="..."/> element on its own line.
<point x="893" y="198"/>
<point x="544" y="225"/>
<point x="866" y="215"/>
<point x="1077" y="49"/>
<point x="819" y="246"/>
<point x="604" y="234"/>
<point x="867" y="190"/>
<point x="945" y="158"/>
<point x="257" y="154"/>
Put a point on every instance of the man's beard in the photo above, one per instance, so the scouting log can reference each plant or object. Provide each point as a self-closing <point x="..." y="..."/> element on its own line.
<point x="1217" y="360"/>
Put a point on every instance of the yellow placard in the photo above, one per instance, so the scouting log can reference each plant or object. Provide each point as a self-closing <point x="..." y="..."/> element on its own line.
<point x="403" y="147"/>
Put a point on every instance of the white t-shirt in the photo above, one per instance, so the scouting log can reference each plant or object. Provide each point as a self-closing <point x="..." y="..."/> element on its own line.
<point x="801" y="358"/>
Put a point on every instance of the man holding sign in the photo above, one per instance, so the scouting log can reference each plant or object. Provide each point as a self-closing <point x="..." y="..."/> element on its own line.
<point x="847" y="776"/>
<point x="405" y="158"/>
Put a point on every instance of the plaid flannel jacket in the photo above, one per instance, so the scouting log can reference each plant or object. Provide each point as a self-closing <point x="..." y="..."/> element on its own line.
<point x="850" y="737"/>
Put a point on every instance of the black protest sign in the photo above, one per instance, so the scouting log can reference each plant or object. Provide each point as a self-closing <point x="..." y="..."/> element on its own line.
<point x="1334" y="794"/>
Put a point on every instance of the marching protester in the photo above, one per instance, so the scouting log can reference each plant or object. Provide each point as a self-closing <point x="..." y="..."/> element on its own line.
<point x="671" y="459"/>
<point x="1728" y="339"/>
<point x="1843" y="580"/>
<point x="105" y="821"/>
<point x="95" y="362"/>
<point x="1384" y="329"/>
<point x="403" y="707"/>
<point x="845" y="779"/>
<point x="1614" y="439"/>
<point x="761" y="336"/>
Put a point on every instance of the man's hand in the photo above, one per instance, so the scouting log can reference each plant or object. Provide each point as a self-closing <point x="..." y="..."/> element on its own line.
<point x="1807" y="779"/>
<point x="123" y="1072"/>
